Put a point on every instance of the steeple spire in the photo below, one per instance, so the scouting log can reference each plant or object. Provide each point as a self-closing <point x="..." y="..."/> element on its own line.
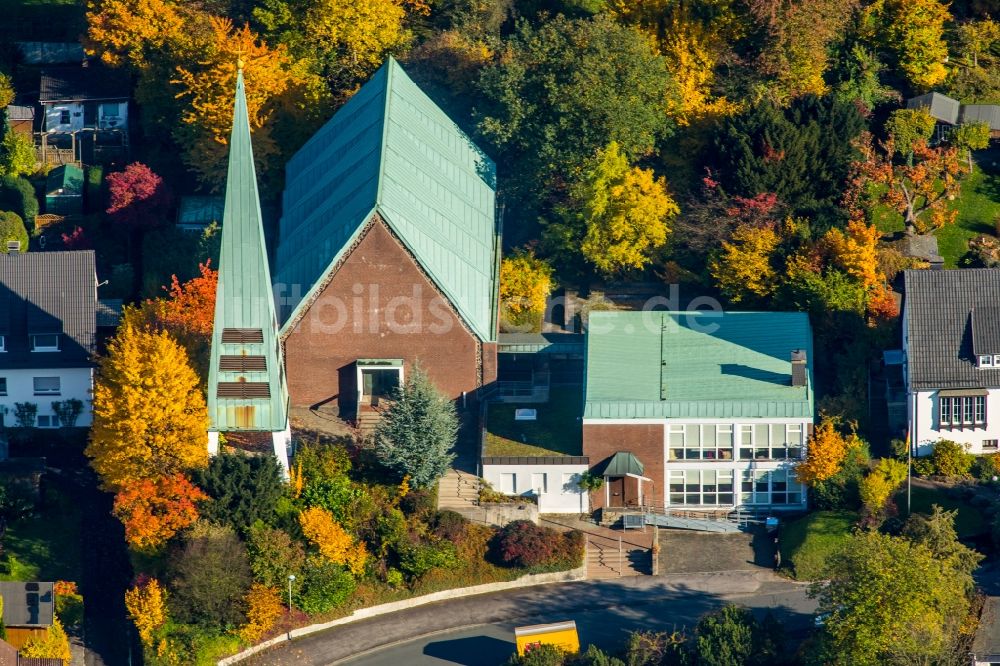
<point x="246" y="380"/>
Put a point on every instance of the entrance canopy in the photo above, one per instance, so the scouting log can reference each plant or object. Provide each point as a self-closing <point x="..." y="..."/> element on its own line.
<point x="624" y="463"/>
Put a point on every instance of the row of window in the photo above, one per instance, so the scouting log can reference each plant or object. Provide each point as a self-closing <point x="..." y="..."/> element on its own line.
<point x="761" y="441"/>
<point x="962" y="411"/>
<point x="40" y="385"/>
<point x="512" y="483"/>
<point x="989" y="361"/>
<point x="711" y="487"/>
<point x="39" y="343"/>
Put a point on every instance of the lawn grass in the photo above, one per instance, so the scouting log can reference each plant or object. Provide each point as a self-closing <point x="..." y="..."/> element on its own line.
<point x="557" y="432"/>
<point x="46" y="545"/>
<point x="969" y="521"/>
<point x="807" y="542"/>
<point x="978" y="206"/>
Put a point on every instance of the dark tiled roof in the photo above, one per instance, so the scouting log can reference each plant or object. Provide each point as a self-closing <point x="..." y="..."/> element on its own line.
<point x="986" y="645"/>
<point x="20" y="112"/>
<point x="28" y="604"/>
<point x="986" y="330"/>
<point x="938" y="307"/>
<point x="46" y="292"/>
<point x="61" y="84"/>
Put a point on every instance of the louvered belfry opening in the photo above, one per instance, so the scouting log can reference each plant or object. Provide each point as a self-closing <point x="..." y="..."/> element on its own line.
<point x="243" y="363"/>
<point x="243" y="390"/>
<point x="242" y="335"/>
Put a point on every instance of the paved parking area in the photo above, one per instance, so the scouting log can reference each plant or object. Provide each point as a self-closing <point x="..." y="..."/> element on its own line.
<point x="686" y="551"/>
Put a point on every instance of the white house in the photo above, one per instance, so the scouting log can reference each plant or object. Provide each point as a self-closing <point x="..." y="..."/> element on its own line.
<point x="698" y="410"/>
<point x="47" y="326"/>
<point x="76" y="98"/>
<point x="552" y="481"/>
<point x="951" y="346"/>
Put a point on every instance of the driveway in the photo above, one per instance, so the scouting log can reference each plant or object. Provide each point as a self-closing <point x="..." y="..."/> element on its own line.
<point x="477" y="630"/>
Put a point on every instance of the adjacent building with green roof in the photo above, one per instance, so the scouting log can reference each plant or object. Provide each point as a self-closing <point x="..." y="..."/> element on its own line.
<point x="716" y="406"/>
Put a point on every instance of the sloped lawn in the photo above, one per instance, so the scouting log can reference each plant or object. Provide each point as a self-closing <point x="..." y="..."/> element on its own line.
<point x="807" y="542"/>
<point x="46" y="545"/>
<point x="969" y="521"/>
<point x="556" y="432"/>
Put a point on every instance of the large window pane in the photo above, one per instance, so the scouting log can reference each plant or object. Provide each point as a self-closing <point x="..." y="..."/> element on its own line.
<point x="945" y="411"/>
<point x="760" y="444"/>
<point x="725" y="442"/>
<point x="980" y="409"/>
<point x="692" y="442"/>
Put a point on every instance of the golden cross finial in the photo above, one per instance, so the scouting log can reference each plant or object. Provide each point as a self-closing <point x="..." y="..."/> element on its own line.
<point x="239" y="58"/>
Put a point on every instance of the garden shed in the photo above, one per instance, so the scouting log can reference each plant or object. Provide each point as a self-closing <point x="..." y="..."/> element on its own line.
<point x="64" y="190"/>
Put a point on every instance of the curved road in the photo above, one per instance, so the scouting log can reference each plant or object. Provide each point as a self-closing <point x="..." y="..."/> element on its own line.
<point x="478" y="630"/>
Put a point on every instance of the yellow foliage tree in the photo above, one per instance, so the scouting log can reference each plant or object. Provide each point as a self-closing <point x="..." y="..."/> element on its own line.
<point x="134" y="31"/>
<point x="150" y="417"/>
<point x="691" y="58"/>
<point x="274" y="82"/>
<point x="53" y="644"/>
<point x="525" y="285"/>
<point x="742" y="268"/>
<point x="856" y="252"/>
<point x="625" y="211"/>
<point x="263" y="610"/>
<point x="146" y="605"/>
<point x="332" y="540"/>
<point x="826" y="452"/>
<point x="353" y="38"/>
<point x="879" y="485"/>
<point x="915" y="32"/>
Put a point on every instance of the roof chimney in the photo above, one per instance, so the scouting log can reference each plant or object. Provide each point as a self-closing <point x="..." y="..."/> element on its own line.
<point x="798" y="367"/>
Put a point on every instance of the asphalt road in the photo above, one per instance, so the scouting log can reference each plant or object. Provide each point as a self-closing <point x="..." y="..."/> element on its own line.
<point x="478" y="630"/>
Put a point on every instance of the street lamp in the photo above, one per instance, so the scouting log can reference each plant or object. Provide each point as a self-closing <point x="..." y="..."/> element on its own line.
<point x="291" y="578"/>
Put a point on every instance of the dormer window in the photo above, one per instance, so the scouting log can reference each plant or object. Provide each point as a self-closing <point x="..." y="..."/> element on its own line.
<point x="985" y="361"/>
<point x="44" y="343"/>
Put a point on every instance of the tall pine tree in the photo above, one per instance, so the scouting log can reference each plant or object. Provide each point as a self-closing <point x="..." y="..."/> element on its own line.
<point x="417" y="433"/>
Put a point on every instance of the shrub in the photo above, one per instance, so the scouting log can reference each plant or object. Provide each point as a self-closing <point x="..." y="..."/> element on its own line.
<point x="542" y="655"/>
<point x="18" y="195"/>
<point x="418" y="503"/>
<point x="273" y="554"/>
<point x="12" y="229"/>
<point x="950" y="459"/>
<point x="521" y="543"/>
<point x="325" y="586"/>
<point x="243" y="489"/>
<point x="209" y="578"/>
<point x="450" y="525"/>
<point x="417" y="559"/>
<point x="263" y="610"/>
<point x="985" y="467"/>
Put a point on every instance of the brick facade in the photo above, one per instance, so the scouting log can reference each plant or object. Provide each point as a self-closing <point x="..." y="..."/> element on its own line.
<point x="380" y="304"/>
<point x="645" y="440"/>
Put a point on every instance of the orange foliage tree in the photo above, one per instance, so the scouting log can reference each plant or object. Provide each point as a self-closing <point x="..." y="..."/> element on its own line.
<point x="263" y="610"/>
<point x="153" y="510"/>
<point x="826" y="451"/>
<point x="146" y="605"/>
<point x="132" y="31"/>
<point x="920" y="191"/>
<point x="332" y="540"/>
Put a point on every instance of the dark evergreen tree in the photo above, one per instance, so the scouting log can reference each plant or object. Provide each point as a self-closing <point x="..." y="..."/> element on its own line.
<point x="801" y="154"/>
<point x="417" y="433"/>
<point x="209" y="577"/>
<point x="243" y="489"/>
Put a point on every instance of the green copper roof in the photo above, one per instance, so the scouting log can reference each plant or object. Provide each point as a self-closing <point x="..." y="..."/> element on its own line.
<point x="696" y="365"/>
<point x="623" y="463"/>
<point x="244" y="304"/>
<point x="391" y="150"/>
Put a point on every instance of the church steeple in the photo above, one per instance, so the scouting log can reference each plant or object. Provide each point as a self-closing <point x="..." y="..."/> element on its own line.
<point x="246" y="380"/>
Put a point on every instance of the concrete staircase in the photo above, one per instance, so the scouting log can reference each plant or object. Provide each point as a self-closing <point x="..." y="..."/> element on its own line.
<point x="367" y="420"/>
<point x="458" y="491"/>
<point x="607" y="559"/>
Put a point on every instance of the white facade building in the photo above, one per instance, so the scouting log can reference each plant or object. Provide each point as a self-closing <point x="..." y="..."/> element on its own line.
<point x="553" y="482"/>
<point x="47" y="327"/>
<point x="951" y="346"/>
<point x="76" y="98"/>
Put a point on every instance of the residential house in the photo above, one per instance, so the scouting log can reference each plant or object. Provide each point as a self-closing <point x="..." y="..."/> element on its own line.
<point x="950" y="113"/>
<point x="90" y="97"/>
<point x="388" y="253"/>
<point x="47" y="326"/>
<point x="698" y="410"/>
<point x="951" y="346"/>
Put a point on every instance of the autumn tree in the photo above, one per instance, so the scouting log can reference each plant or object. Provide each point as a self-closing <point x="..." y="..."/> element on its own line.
<point x="146" y="605"/>
<point x="51" y="643"/>
<point x="692" y="53"/>
<point x="137" y="197"/>
<point x="559" y="92"/>
<point x="919" y="192"/>
<point x="743" y="267"/>
<point x="914" y="32"/>
<point x="826" y="451"/>
<point x="276" y="85"/>
<point x="7" y="93"/>
<point x="150" y="417"/>
<point x="978" y="37"/>
<point x="17" y="154"/>
<point x="909" y="128"/>
<point x="416" y="434"/>
<point x="273" y="554"/>
<point x="332" y="540"/>
<point x="209" y="576"/>
<point x="263" y="610"/>
<point x="618" y="214"/>
<point x="133" y="32"/>
<point x="970" y="136"/>
<point x="855" y="251"/>
<point x="154" y="510"/>
<point x="525" y="285"/>
<point x="879" y="485"/>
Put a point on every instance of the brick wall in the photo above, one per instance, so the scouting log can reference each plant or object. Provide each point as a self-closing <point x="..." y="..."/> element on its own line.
<point x="380" y="304"/>
<point x="600" y="442"/>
